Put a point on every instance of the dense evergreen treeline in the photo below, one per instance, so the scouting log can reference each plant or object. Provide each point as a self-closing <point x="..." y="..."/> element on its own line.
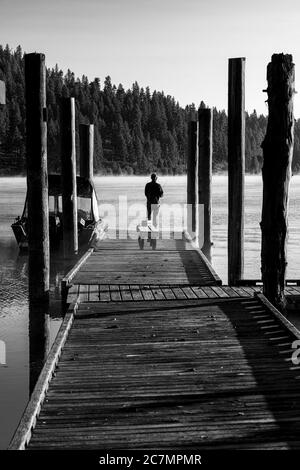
<point x="136" y="131"/>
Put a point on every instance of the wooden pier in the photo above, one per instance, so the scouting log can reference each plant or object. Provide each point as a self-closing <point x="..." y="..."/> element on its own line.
<point x="155" y="353"/>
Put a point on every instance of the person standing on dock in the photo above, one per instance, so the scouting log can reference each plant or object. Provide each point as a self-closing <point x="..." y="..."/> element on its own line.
<point x="153" y="192"/>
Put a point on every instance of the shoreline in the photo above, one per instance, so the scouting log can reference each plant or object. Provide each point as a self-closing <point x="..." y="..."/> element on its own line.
<point x="99" y="175"/>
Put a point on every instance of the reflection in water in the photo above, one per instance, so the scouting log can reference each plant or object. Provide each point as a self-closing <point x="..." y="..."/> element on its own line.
<point x="40" y="313"/>
<point x="28" y="331"/>
<point x="13" y="276"/>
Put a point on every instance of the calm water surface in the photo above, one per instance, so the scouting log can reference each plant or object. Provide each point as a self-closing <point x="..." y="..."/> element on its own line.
<point x="14" y="306"/>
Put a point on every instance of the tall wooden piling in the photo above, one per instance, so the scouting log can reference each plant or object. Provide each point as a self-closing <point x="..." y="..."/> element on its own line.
<point x="205" y="146"/>
<point x="39" y="341"/>
<point x="192" y="180"/>
<point x="86" y="136"/>
<point x="37" y="176"/>
<point x="276" y="172"/>
<point x="68" y="170"/>
<point x="236" y="168"/>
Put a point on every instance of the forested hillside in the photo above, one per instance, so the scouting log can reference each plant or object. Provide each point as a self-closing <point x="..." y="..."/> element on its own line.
<point x="137" y="131"/>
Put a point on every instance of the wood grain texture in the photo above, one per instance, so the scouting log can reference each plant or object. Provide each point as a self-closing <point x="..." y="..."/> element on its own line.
<point x="134" y="266"/>
<point x="192" y="179"/>
<point x="206" y="373"/>
<point x="37" y="177"/>
<point x="276" y="172"/>
<point x="236" y="168"/>
<point x="154" y="361"/>
<point x="68" y="173"/>
<point x="205" y="146"/>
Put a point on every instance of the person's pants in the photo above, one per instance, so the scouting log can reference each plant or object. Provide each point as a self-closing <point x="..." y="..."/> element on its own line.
<point x="155" y="209"/>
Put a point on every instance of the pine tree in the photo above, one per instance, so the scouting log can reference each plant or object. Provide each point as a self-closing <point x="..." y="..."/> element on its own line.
<point x="135" y="131"/>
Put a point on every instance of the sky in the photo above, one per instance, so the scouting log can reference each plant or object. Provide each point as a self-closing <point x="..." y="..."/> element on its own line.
<point x="179" y="46"/>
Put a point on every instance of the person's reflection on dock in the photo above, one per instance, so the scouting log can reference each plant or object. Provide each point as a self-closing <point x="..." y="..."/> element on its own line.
<point x="147" y="234"/>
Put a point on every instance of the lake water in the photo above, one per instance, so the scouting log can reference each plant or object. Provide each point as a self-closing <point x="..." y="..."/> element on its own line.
<point x="14" y="306"/>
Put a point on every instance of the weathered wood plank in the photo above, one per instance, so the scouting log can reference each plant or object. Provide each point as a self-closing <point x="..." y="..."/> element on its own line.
<point x="157" y="293"/>
<point x="179" y="294"/>
<point x="209" y="291"/>
<point x="146" y="292"/>
<point x="125" y="292"/>
<point x="138" y="267"/>
<point x="168" y="293"/>
<point x="189" y="293"/>
<point x="199" y="292"/>
<point x="136" y="293"/>
<point x="83" y="293"/>
<point x="172" y="368"/>
<point x="94" y="294"/>
<point x="104" y="293"/>
<point x="219" y="291"/>
<point x="115" y="294"/>
<point x="70" y="275"/>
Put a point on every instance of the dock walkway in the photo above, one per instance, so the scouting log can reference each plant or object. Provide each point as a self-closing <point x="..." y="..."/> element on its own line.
<point x="172" y="360"/>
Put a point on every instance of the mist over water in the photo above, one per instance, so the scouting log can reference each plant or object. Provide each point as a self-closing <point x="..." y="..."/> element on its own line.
<point x="14" y="307"/>
<point x="109" y="188"/>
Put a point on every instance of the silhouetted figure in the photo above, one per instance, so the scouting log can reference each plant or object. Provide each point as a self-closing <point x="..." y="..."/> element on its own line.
<point x="153" y="192"/>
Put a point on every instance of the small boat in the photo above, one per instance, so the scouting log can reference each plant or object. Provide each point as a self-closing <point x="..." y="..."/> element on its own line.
<point x="91" y="228"/>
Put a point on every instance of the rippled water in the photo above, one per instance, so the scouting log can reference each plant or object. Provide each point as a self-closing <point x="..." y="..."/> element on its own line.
<point x="14" y="311"/>
<point x="14" y="308"/>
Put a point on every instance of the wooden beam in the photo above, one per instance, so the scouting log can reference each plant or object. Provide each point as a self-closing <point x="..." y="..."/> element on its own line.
<point x="37" y="176"/>
<point x="276" y="172"/>
<point x="68" y="169"/>
<point x="236" y="168"/>
<point x="205" y="145"/>
<point x="67" y="279"/>
<point x="86" y="136"/>
<point x="192" y="180"/>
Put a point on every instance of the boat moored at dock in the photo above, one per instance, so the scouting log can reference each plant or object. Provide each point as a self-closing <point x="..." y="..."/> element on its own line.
<point x="90" y="225"/>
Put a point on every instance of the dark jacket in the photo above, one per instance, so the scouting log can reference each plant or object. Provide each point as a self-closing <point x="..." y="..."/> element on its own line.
<point x="153" y="191"/>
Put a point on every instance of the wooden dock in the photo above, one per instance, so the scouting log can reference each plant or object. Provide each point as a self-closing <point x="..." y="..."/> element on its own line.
<point x="155" y="353"/>
<point x="121" y="262"/>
